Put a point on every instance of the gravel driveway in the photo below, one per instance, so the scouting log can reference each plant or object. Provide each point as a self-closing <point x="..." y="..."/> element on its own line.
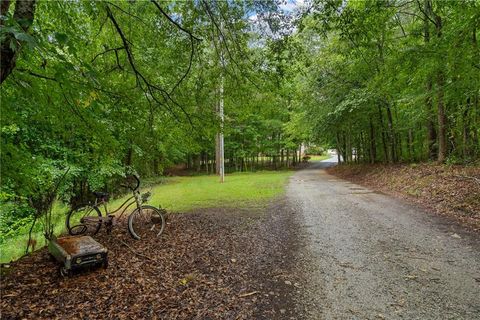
<point x="369" y="256"/>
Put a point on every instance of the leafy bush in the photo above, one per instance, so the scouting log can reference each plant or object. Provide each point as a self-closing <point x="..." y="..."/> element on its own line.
<point x="315" y="150"/>
<point x="14" y="218"/>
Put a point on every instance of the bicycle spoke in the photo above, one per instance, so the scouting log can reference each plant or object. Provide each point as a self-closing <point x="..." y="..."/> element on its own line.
<point x="86" y="220"/>
<point x="145" y="222"/>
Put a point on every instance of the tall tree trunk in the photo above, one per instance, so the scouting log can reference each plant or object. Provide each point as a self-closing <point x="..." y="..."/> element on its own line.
<point x="391" y="134"/>
<point x="345" y="155"/>
<point x="23" y="15"/>
<point x="339" y="152"/>
<point x="441" y="113"/>
<point x="198" y="162"/>
<point x="207" y="167"/>
<point x="411" y="150"/>
<point x="442" y="119"/>
<point x="373" y="150"/>
<point x="466" y="130"/>
<point x="128" y="156"/>
<point x="217" y="153"/>
<point x="361" y="148"/>
<point x="155" y="165"/>
<point x="386" y="157"/>
<point x="431" y="132"/>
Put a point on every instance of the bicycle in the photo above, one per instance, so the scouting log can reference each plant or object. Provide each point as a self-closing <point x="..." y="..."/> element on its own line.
<point x="87" y="219"/>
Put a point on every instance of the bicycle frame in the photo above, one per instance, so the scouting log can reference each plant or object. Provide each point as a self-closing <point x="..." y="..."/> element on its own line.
<point x="134" y="199"/>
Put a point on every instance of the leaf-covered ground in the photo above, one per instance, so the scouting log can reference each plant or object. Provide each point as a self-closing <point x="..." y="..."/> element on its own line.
<point x="447" y="190"/>
<point x="211" y="264"/>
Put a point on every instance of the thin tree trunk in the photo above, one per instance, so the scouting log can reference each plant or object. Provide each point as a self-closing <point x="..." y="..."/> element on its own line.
<point x="442" y="119"/>
<point x="391" y="134"/>
<point x="411" y="150"/>
<point x="431" y="132"/>
<point x="441" y="113"/>
<point x="373" y="148"/>
<point x="466" y="130"/>
<point x="382" y="128"/>
<point x="345" y="155"/>
<point x="128" y="157"/>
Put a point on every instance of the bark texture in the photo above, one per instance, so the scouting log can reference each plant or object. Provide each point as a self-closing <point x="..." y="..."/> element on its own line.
<point x="23" y="15"/>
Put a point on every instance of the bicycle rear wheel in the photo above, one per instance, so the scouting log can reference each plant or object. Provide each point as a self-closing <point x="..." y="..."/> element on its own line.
<point x="146" y="221"/>
<point x="84" y="220"/>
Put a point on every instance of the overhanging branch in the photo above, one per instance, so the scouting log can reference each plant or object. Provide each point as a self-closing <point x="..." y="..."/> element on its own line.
<point x="174" y="22"/>
<point x="140" y="78"/>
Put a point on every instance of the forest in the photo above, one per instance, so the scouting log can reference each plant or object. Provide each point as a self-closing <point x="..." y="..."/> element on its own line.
<point x="107" y="88"/>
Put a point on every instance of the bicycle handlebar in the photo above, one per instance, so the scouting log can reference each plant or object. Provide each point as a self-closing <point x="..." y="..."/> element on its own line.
<point x="129" y="187"/>
<point x="138" y="182"/>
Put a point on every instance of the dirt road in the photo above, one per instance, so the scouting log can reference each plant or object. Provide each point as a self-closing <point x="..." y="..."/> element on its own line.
<point x="369" y="256"/>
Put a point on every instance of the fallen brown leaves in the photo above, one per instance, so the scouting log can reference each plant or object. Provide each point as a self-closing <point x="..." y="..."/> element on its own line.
<point x="205" y="266"/>
<point x="452" y="191"/>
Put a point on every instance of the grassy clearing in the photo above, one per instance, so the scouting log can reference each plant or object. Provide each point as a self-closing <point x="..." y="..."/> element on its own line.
<point x="179" y="194"/>
<point x="186" y="193"/>
<point x="319" y="158"/>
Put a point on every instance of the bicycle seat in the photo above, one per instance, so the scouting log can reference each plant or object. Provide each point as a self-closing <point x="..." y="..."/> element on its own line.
<point x="101" y="195"/>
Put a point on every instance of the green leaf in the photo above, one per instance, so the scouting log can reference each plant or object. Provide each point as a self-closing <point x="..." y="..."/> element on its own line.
<point x="61" y="37"/>
<point x="13" y="45"/>
<point x="24" y="37"/>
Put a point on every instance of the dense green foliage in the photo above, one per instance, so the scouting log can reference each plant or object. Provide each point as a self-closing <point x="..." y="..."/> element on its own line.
<point x="109" y="88"/>
<point x="392" y="80"/>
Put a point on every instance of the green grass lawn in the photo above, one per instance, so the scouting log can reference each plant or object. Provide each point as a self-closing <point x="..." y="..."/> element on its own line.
<point x="319" y="158"/>
<point x="239" y="189"/>
<point x="180" y="194"/>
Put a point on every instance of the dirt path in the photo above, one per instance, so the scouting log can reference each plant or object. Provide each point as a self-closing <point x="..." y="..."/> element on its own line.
<point x="369" y="256"/>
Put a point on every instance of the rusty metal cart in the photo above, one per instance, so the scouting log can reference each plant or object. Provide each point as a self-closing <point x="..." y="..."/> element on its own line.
<point x="78" y="252"/>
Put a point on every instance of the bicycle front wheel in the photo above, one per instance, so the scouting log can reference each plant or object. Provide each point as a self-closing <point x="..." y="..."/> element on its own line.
<point x="146" y="221"/>
<point x="84" y="220"/>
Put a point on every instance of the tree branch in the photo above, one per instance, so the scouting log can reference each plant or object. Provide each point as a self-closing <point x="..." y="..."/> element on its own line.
<point x="192" y="53"/>
<point x="174" y="22"/>
<point x="127" y="13"/>
<point x="36" y="74"/>
<point x="107" y="51"/>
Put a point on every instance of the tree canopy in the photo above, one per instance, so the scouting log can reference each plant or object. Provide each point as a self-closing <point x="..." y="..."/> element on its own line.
<point x="391" y="81"/>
